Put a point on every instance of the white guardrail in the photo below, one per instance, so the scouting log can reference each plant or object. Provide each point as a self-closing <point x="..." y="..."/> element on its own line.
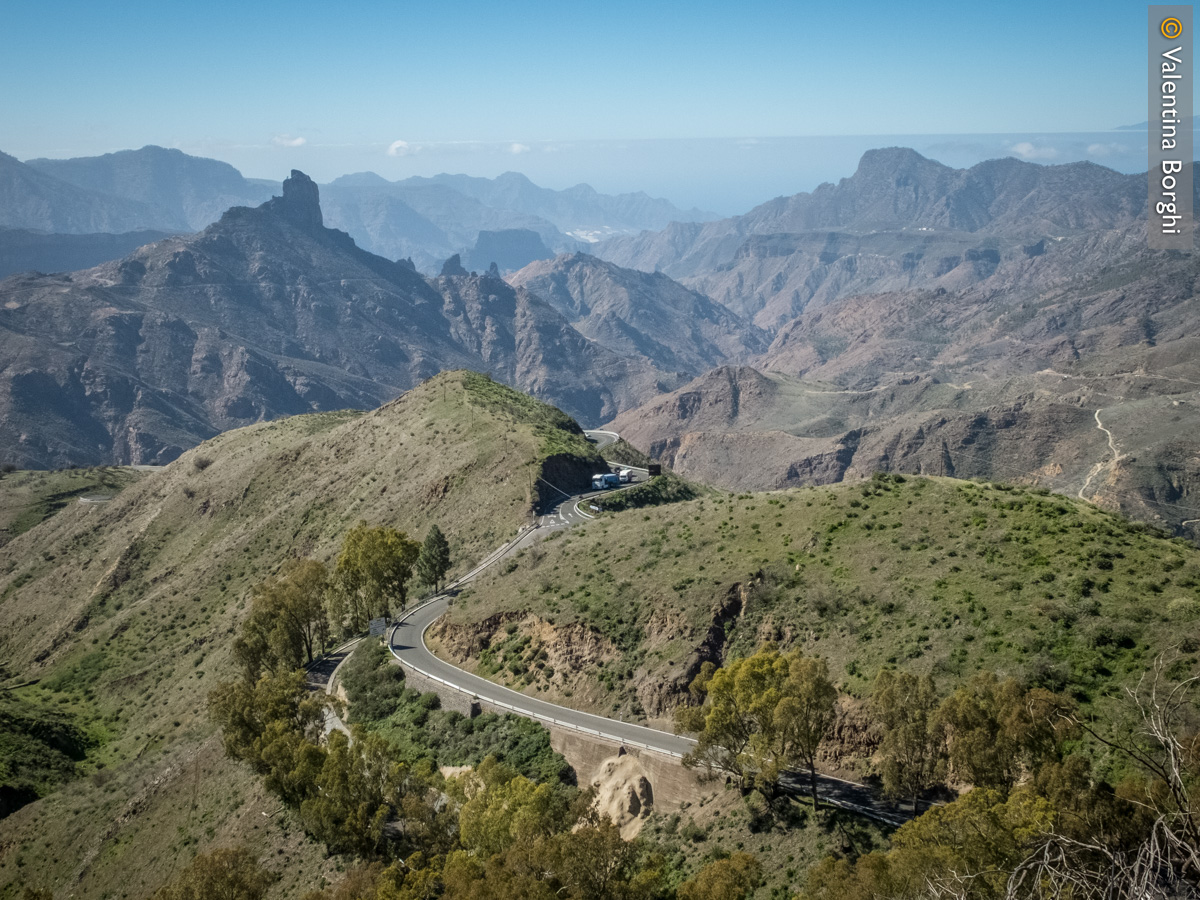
<point x="490" y="559"/>
<point x="530" y="714"/>
<point x="888" y="818"/>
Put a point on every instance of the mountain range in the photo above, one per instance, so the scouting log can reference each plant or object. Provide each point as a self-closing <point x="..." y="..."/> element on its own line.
<point x="185" y="192"/>
<point x="1003" y="322"/>
<point x="900" y="221"/>
<point x="425" y="219"/>
<point x="267" y="313"/>
<point x="32" y="199"/>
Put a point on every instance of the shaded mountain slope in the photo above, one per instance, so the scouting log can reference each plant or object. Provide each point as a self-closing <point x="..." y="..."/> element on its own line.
<point x="266" y="313"/>
<point x="640" y="314"/>
<point x="32" y="199"/>
<point x="190" y="190"/>
<point x="22" y="250"/>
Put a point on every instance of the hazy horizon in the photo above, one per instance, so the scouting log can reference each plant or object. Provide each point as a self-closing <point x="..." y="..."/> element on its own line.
<point x="678" y="100"/>
<point x="727" y="176"/>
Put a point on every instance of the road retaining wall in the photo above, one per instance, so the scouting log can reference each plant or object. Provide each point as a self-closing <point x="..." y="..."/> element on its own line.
<point x="671" y="782"/>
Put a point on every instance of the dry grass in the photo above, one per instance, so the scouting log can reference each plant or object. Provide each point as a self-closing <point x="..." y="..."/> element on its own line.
<point x="125" y="611"/>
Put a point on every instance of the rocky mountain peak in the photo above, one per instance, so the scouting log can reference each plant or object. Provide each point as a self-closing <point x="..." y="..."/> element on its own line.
<point x="300" y="205"/>
<point x="453" y="267"/>
<point x="892" y="160"/>
<point x="301" y="201"/>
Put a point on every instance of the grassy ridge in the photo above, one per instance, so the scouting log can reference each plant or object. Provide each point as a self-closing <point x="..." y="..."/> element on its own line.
<point x="557" y="431"/>
<point x="28" y="498"/>
<point x="662" y="489"/>
<point x="930" y="574"/>
<point x="126" y="610"/>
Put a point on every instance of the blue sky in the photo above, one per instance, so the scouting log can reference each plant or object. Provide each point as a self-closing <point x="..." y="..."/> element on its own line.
<point x="485" y="87"/>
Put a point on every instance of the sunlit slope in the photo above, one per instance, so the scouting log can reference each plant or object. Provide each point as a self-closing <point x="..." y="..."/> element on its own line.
<point x="927" y="574"/>
<point x="125" y="611"/>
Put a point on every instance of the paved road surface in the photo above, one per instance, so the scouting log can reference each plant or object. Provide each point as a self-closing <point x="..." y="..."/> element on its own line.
<point x="319" y="677"/>
<point x="406" y="640"/>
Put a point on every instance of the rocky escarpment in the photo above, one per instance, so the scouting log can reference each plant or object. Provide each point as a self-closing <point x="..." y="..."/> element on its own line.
<point x="526" y="652"/>
<point x="580" y="667"/>
<point x="562" y="474"/>
<point x="659" y="695"/>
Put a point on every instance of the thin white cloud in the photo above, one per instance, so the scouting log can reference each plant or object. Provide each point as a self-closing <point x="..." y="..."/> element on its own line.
<point x="411" y="148"/>
<point x="1103" y="150"/>
<point x="1026" y="150"/>
<point x="286" y="140"/>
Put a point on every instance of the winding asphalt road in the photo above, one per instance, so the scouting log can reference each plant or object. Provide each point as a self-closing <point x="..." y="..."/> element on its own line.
<point x="407" y="643"/>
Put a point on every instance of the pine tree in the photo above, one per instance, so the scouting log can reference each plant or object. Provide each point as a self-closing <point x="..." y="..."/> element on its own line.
<point x="434" y="560"/>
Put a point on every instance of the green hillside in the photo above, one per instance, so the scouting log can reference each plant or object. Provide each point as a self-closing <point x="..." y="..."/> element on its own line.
<point x="926" y="574"/>
<point x="29" y="497"/>
<point x="124" y="612"/>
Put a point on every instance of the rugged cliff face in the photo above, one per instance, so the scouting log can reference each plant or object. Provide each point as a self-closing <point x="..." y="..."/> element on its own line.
<point x="901" y="222"/>
<point x="561" y="661"/>
<point x="1114" y="429"/>
<point x="1069" y="364"/>
<point x="266" y="313"/>
<point x="642" y="314"/>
